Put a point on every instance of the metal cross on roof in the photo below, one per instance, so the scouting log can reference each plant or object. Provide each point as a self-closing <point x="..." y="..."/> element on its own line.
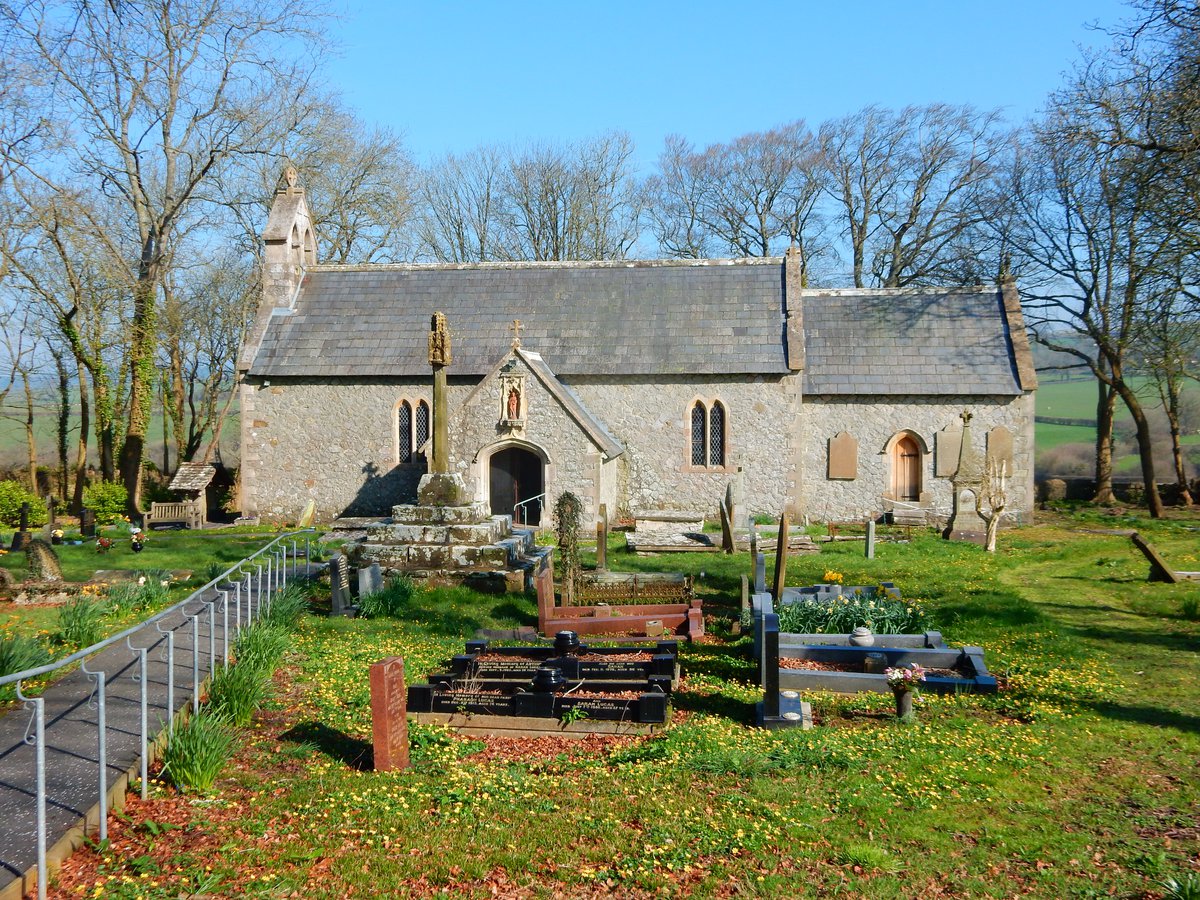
<point x="516" y="330"/>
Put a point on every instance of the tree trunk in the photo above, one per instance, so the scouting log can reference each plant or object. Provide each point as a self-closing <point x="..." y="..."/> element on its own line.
<point x="1145" y="448"/>
<point x="141" y="383"/>
<point x="1181" y="479"/>
<point x="175" y="395"/>
<point x="1105" y="407"/>
<point x="64" y="424"/>
<point x="30" y="437"/>
<point x="166" y="421"/>
<point x="81" y="453"/>
<point x="105" y="433"/>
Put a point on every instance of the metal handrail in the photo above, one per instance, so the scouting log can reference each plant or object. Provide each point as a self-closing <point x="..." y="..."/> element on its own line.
<point x="525" y="503"/>
<point x="277" y="576"/>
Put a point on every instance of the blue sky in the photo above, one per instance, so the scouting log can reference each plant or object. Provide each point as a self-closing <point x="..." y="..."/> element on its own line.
<point x="451" y="76"/>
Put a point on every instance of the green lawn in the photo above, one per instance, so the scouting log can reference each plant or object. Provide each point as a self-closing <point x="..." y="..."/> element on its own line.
<point x="197" y="557"/>
<point x="1078" y="780"/>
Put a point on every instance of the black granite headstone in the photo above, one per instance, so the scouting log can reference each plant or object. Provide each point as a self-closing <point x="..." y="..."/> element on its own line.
<point x="87" y="523"/>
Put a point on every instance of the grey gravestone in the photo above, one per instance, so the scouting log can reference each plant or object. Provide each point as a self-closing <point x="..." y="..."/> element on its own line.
<point x="42" y="561"/>
<point x="1000" y="447"/>
<point x="760" y="573"/>
<point x="370" y="580"/>
<point x="21" y="536"/>
<point x="843" y="457"/>
<point x="948" y="446"/>
<point x="870" y="539"/>
<point x="339" y="583"/>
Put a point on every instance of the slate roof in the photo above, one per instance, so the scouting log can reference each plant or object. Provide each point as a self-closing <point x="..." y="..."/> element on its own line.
<point x="192" y="476"/>
<point x="583" y="318"/>
<point x="868" y="342"/>
<point x="659" y="318"/>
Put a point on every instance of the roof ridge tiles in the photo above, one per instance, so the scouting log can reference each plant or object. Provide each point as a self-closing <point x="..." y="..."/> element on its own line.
<point x="566" y="264"/>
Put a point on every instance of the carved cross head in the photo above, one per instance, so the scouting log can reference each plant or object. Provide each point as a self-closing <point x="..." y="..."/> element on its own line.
<point x="439" y="340"/>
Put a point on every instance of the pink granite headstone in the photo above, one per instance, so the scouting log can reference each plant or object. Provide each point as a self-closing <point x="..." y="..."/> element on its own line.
<point x="389" y="714"/>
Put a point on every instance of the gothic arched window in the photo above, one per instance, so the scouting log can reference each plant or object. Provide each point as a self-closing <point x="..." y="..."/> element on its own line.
<point x="412" y="429"/>
<point x="699" y="430"/>
<point x="404" y="432"/>
<point x="709" y="444"/>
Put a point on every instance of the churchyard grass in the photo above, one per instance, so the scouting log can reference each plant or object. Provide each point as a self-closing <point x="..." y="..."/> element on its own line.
<point x="1079" y="779"/>
<point x="190" y="552"/>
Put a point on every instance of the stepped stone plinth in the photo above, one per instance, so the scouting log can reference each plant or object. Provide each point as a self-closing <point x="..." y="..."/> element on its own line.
<point x="449" y="538"/>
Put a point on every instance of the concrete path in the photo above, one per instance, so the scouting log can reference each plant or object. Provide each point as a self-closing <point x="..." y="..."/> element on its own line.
<point x="72" y="751"/>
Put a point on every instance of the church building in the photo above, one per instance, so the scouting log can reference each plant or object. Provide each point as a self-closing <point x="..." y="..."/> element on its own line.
<point x="642" y="385"/>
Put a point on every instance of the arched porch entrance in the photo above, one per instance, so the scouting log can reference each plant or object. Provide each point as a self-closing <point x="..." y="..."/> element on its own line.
<point x="515" y="477"/>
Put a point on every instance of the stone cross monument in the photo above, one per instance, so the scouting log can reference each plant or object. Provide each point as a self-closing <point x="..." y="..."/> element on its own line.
<point x="439" y="359"/>
<point x="965" y="524"/>
<point x="439" y="487"/>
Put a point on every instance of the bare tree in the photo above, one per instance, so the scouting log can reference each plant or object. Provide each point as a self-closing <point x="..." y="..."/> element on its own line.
<point x="19" y="342"/>
<point x="1092" y="256"/>
<point x="571" y="202"/>
<point x="1169" y="340"/>
<point x="460" y="207"/>
<point x="675" y="199"/>
<point x="750" y="197"/>
<point x="156" y="96"/>
<point x="543" y="202"/>
<point x="909" y="185"/>
<point x="204" y="320"/>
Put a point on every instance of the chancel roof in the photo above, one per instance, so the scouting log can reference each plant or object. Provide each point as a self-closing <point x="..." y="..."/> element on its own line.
<point x="923" y="341"/>
<point x="662" y="318"/>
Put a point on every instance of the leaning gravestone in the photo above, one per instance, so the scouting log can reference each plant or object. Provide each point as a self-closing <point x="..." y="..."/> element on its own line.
<point x="339" y="583"/>
<point x="21" y="536"/>
<point x="370" y="580"/>
<point x="42" y="561"/>
<point x="389" y="715"/>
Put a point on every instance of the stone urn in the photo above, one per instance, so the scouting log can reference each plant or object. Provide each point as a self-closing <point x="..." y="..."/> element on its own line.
<point x="862" y="637"/>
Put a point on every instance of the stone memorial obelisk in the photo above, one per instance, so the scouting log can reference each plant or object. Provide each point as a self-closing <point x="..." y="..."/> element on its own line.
<point x="965" y="523"/>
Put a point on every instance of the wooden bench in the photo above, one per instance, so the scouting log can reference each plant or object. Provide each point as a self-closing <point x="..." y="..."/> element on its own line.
<point x="189" y="513"/>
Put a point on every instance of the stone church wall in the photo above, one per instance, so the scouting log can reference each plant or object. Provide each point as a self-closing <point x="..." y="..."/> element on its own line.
<point x="652" y="420"/>
<point x="874" y="421"/>
<point x="326" y="440"/>
<point x="334" y="442"/>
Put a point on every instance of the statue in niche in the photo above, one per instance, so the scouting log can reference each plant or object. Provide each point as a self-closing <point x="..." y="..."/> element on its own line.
<point x="514" y="403"/>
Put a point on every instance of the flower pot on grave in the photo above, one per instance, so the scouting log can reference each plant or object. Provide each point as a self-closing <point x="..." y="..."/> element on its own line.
<point x="904" y="704"/>
<point x="55" y="539"/>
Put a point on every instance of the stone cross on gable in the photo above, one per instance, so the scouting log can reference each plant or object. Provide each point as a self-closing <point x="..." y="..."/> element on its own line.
<point x="966" y="416"/>
<point x="516" y="330"/>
